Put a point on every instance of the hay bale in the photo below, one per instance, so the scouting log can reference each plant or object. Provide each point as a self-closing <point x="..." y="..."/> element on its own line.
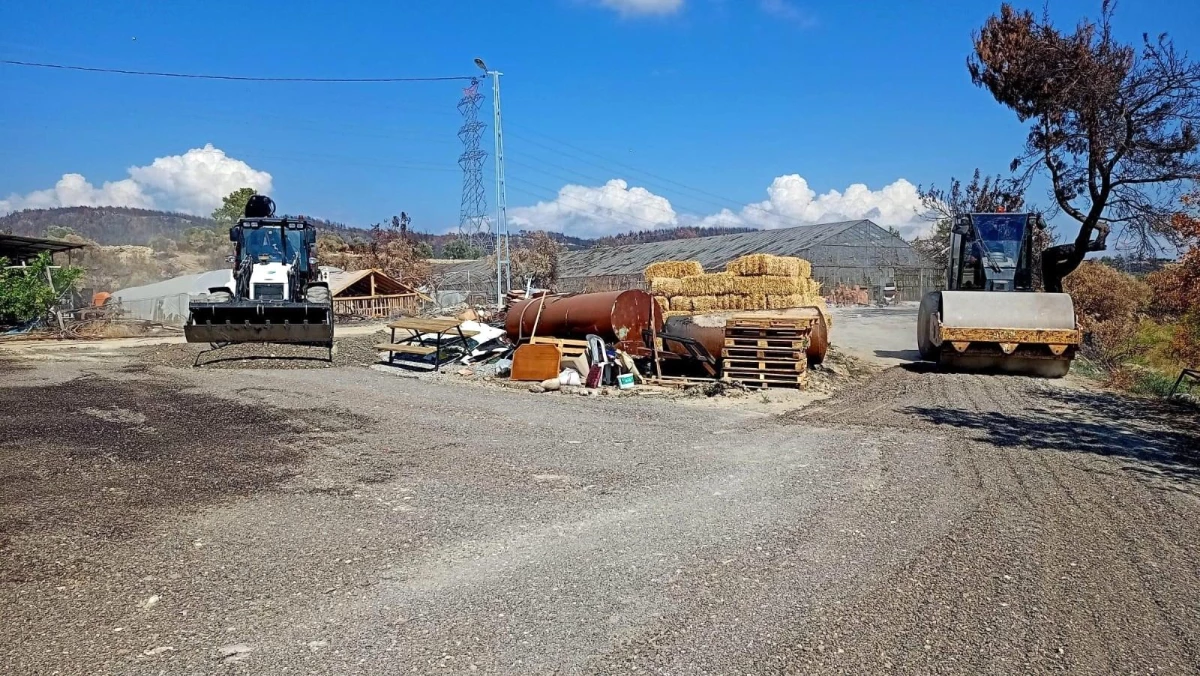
<point x="754" y="301"/>
<point x="676" y="269"/>
<point x="755" y="265"/>
<point x="769" y="285"/>
<point x="666" y="286"/>
<point x="783" y="302"/>
<point x="708" y="285"/>
<point x="705" y="303"/>
<point x="663" y="303"/>
<point x="732" y="302"/>
<point x="681" y="304"/>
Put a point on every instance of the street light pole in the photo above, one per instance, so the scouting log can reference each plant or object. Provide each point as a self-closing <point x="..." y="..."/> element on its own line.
<point x="503" y="250"/>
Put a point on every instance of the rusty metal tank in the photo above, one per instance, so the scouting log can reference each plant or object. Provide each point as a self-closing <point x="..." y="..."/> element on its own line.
<point x="616" y="316"/>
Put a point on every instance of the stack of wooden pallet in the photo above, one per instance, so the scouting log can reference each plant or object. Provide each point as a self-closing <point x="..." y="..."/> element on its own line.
<point x="767" y="351"/>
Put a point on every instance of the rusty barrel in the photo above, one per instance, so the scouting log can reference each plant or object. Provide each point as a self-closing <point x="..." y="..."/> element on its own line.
<point x="616" y="316"/>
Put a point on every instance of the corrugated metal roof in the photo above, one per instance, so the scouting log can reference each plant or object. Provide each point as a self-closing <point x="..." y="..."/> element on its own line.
<point x="715" y="251"/>
<point x="712" y="252"/>
<point x="18" y="248"/>
<point x="338" y="280"/>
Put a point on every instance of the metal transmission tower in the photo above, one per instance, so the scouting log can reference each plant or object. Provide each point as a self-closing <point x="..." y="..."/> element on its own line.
<point x="472" y="217"/>
<point x="503" y="250"/>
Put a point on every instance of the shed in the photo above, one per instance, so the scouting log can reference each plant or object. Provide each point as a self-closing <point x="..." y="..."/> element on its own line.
<point x="19" y="250"/>
<point x="371" y="293"/>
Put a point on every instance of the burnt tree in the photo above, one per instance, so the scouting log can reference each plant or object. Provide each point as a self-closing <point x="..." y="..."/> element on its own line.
<point x="1112" y="125"/>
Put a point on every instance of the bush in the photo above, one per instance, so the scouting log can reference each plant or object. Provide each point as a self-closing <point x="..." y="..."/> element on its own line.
<point x="1186" y="344"/>
<point x="1107" y="303"/>
<point x="26" y="294"/>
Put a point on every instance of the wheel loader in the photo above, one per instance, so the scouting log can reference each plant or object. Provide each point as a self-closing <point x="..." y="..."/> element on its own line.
<point x="276" y="295"/>
<point x="990" y="317"/>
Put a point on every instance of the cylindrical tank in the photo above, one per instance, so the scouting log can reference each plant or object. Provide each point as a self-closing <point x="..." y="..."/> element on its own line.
<point x="616" y="316"/>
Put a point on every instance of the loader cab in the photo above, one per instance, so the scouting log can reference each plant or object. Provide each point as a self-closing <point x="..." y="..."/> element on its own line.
<point x="274" y="240"/>
<point x="992" y="252"/>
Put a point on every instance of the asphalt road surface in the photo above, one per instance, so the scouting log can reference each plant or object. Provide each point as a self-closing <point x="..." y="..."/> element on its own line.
<point x="166" y="521"/>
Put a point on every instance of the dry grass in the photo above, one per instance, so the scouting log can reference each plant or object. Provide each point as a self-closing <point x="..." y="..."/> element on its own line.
<point x="755" y="265"/>
<point x="676" y="269"/>
<point x="666" y="286"/>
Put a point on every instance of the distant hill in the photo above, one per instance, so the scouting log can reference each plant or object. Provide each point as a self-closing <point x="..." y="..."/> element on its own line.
<point x="121" y="225"/>
<point x="103" y="225"/>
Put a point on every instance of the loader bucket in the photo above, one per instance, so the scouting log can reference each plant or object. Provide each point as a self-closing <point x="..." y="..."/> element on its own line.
<point x="1013" y="332"/>
<point x="259" y="322"/>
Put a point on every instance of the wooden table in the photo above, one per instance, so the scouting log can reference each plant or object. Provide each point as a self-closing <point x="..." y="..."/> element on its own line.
<point x="415" y="344"/>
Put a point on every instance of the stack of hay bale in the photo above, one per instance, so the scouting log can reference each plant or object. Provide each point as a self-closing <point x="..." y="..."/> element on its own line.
<point x="754" y="282"/>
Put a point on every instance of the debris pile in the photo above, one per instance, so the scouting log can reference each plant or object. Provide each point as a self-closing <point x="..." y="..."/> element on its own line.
<point x="849" y="295"/>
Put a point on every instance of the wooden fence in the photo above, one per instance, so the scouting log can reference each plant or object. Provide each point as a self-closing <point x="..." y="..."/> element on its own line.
<point x="378" y="306"/>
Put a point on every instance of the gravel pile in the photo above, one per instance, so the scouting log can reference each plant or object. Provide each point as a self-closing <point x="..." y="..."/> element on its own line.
<point x="352" y="351"/>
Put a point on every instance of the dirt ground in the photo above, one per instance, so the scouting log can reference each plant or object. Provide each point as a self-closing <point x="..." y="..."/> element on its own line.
<point x="156" y="519"/>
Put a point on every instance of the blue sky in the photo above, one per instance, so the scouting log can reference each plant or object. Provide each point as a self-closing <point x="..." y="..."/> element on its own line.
<point x="696" y="105"/>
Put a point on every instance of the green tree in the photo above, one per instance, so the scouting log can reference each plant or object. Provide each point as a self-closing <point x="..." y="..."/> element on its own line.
<point x="59" y="232"/>
<point x="460" y="249"/>
<point x="233" y="206"/>
<point x="423" y="250"/>
<point x="26" y="293"/>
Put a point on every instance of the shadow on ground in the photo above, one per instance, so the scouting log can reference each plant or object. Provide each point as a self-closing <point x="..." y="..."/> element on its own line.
<point x="1163" y="437"/>
<point x="907" y="355"/>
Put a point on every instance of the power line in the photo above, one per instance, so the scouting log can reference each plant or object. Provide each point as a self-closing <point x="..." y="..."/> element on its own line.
<point x="724" y="202"/>
<point x="239" y="78"/>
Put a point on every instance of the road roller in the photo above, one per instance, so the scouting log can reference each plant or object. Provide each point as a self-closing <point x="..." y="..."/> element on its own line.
<point x="990" y="318"/>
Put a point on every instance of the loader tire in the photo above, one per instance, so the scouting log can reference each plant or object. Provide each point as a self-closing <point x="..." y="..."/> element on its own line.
<point x="317" y="294"/>
<point x="931" y="307"/>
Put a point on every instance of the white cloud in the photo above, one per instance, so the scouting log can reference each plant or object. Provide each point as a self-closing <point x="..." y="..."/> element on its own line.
<point x="596" y="211"/>
<point x="790" y="201"/>
<point x="788" y="11"/>
<point x="643" y="7"/>
<point x="193" y="182"/>
<point x="614" y="207"/>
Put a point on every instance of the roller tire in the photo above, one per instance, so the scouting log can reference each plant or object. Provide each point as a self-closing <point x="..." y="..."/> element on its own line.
<point x="931" y="307"/>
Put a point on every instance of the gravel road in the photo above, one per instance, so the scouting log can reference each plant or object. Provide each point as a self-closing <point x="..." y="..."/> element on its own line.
<point x="211" y="521"/>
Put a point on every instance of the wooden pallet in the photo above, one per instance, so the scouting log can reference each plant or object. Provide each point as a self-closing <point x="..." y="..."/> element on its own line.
<point x="753" y="333"/>
<point x="766" y="343"/>
<point x="767" y="354"/>
<point x="764" y="366"/>
<point x="763" y="379"/>
<point x="785" y="323"/>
